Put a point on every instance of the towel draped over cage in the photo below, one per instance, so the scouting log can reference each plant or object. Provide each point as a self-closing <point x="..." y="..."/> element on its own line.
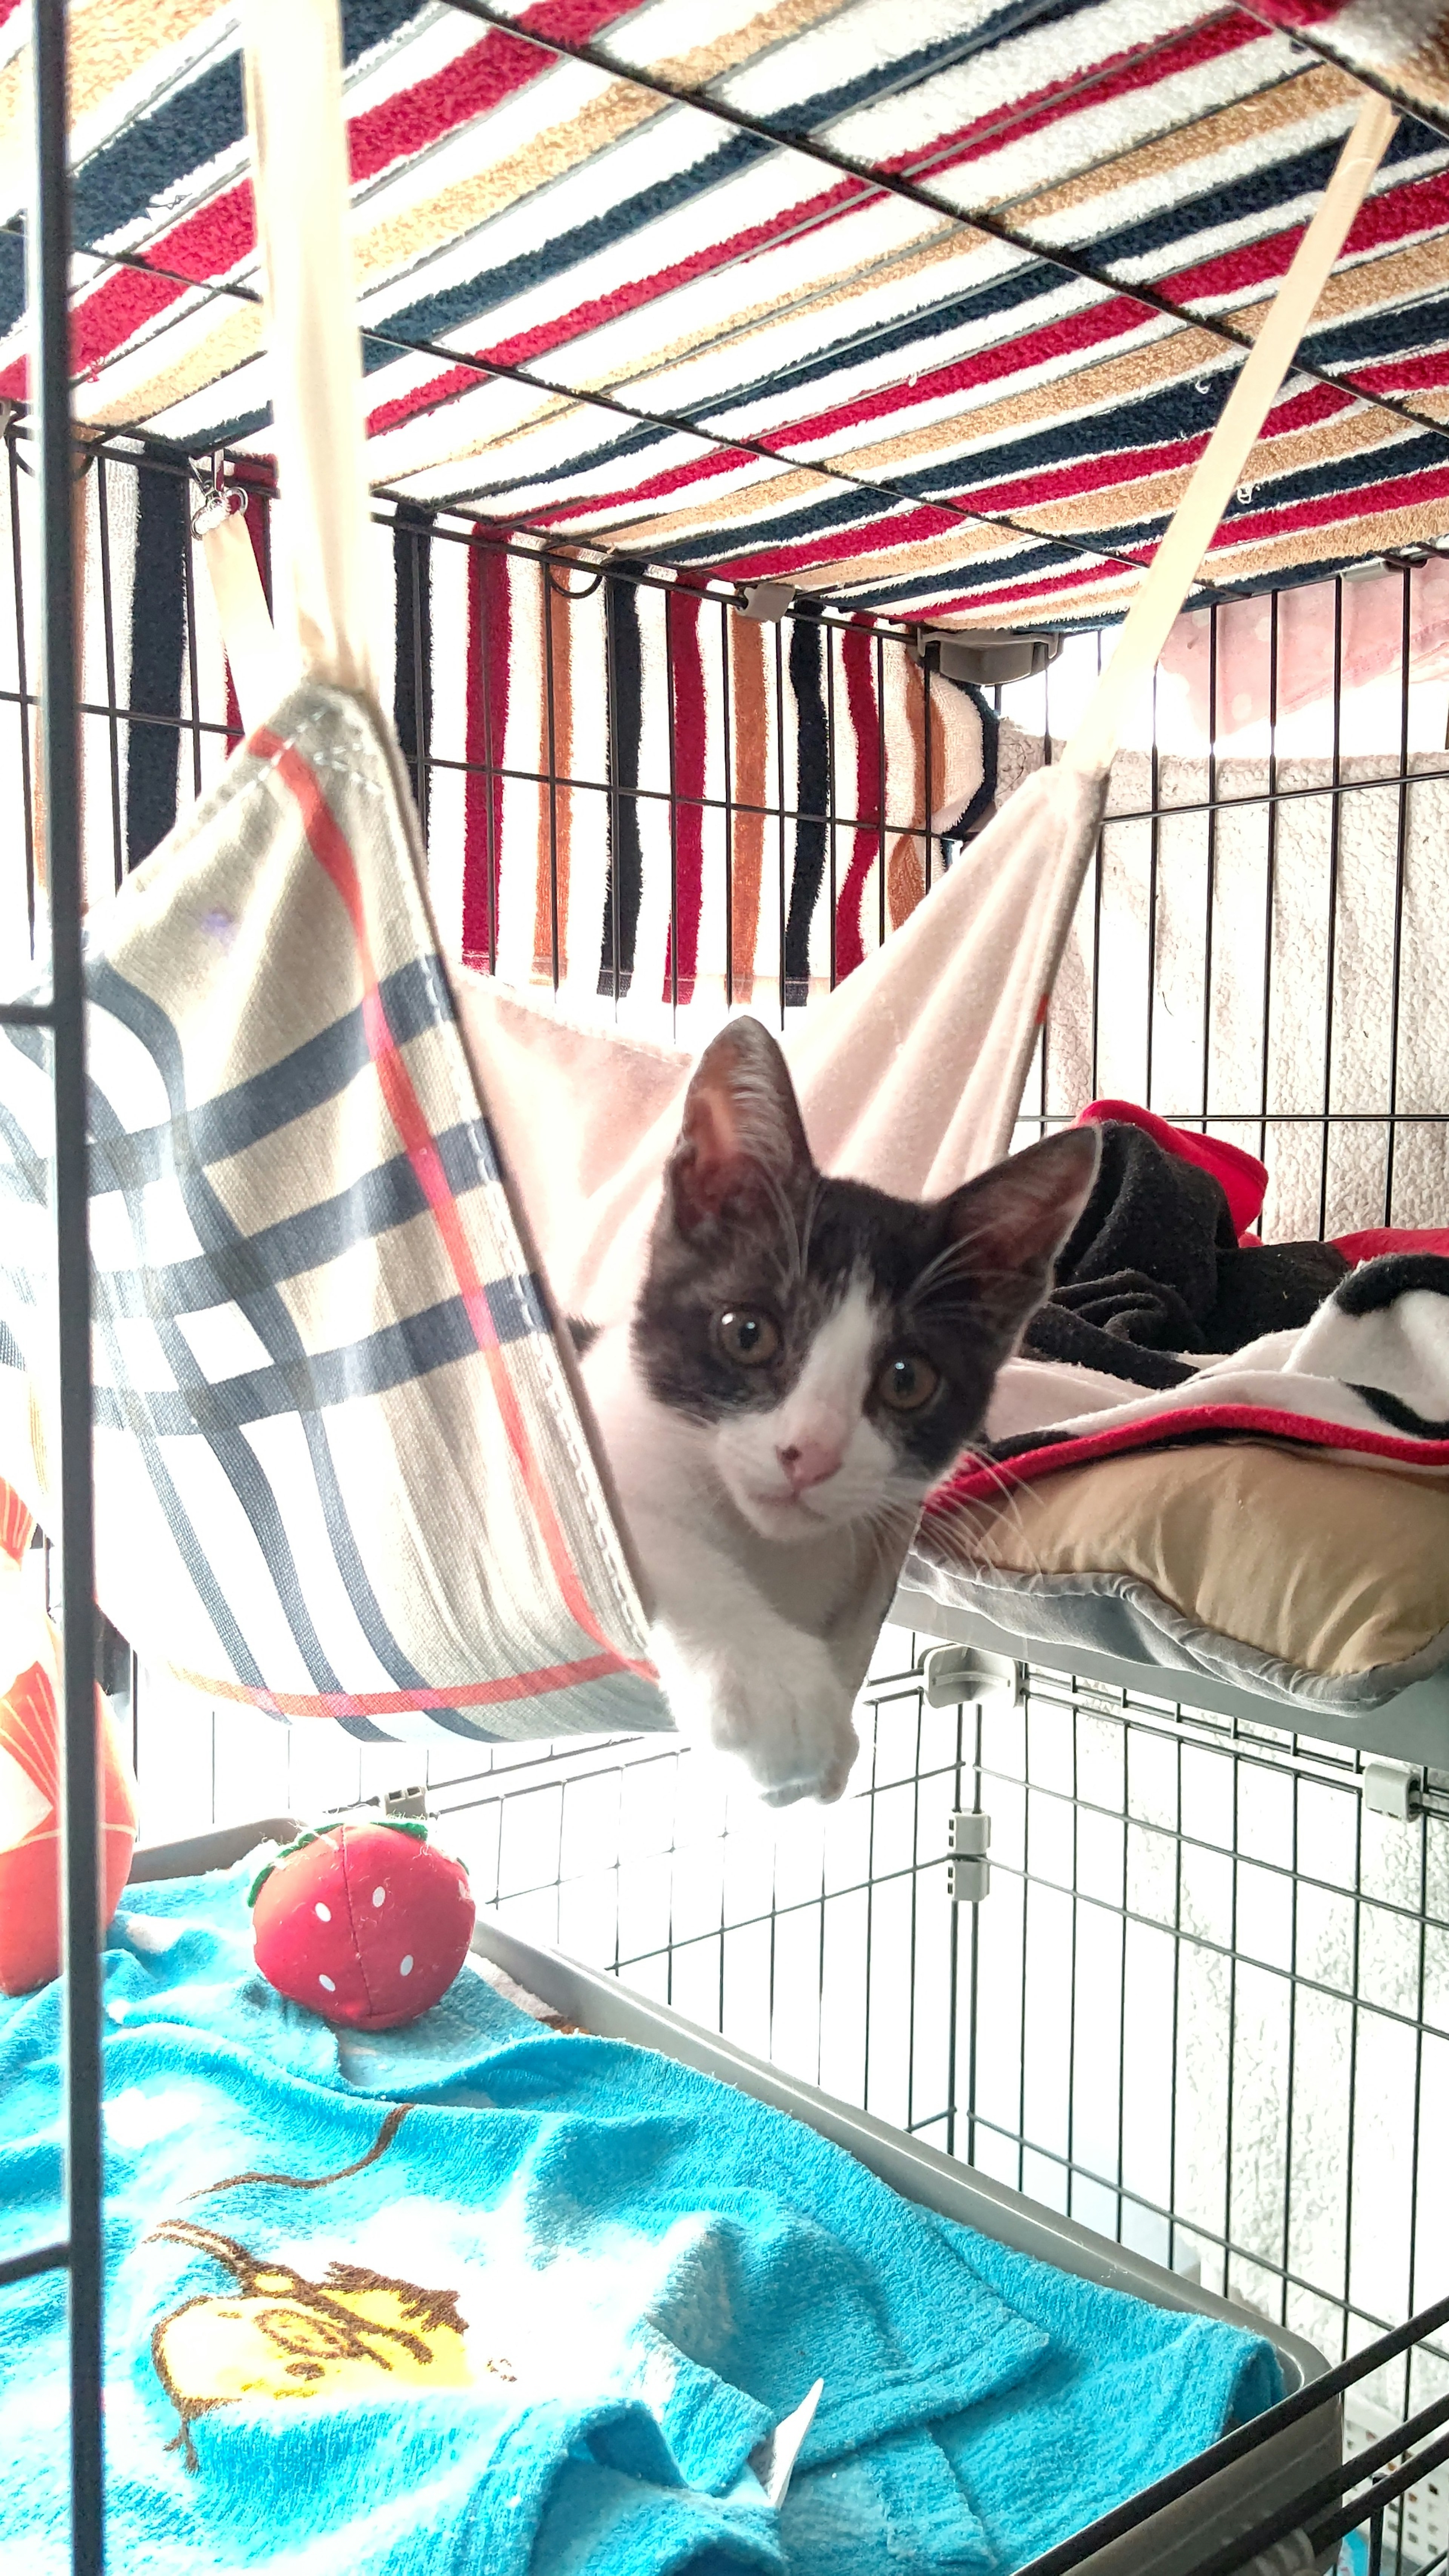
<point x="341" y="1193"/>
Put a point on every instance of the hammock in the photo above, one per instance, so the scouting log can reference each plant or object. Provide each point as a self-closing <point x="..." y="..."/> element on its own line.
<point x="341" y="1195"/>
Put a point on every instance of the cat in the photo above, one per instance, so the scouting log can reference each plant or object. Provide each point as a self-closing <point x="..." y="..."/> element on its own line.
<point x="805" y="1360"/>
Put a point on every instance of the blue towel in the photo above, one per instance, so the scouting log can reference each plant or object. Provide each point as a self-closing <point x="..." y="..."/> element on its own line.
<point x="533" y="2299"/>
<point x="1126" y="2394"/>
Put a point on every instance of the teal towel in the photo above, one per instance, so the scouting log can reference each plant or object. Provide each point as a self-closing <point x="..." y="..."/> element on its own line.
<point x="651" y="2270"/>
<point x="470" y="2297"/>
<point x="1125" y="2395"/>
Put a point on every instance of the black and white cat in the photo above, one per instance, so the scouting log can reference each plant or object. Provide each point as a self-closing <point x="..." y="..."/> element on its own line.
<point x="805" y="1360"/>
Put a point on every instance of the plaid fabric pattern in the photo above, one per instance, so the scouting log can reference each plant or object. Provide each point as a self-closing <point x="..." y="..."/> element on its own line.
<point x="339" y="1467"/>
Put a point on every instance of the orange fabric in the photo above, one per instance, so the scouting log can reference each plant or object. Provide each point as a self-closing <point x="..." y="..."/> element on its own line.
<point x="30" y="1884"/>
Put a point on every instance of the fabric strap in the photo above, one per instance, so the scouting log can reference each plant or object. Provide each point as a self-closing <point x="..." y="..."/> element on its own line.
<point x="300" y="175"/>
<point x="258" y="661"/>
<point x="1150" y="618"/>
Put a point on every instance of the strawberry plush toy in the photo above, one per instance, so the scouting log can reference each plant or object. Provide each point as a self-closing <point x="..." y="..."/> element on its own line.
<point x="365" y="1924"/>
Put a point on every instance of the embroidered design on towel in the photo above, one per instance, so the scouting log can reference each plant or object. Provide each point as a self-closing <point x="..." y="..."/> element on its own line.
<point x="279" y="2334"/>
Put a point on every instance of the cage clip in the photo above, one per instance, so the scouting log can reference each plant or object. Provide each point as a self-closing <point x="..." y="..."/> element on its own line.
<point x="219" y="499"/>
<point x="764" y="603"/>
<point x="1393" y="1789"/>
<point x="968" y="1871"/>
<point x="565" y="589"/>
<point x="982" y="657"/>
<point x="953" y="1674"/>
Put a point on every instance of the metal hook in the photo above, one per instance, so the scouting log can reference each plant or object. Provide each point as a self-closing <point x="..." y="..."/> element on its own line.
<point x="562" y="589"/>
<point x="219" y="500"/>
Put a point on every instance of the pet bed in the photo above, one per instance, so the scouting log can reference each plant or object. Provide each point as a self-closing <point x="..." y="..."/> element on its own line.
<point x="1171" y="1480"/>
<point x="460" y="2284"/>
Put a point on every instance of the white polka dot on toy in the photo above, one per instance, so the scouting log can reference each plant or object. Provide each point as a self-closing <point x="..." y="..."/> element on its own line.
<point x="378" y="1894"/>
<point x="327" y="1982"/>
<point x="323" y="1913"/>
<point x="405" y="1968"/>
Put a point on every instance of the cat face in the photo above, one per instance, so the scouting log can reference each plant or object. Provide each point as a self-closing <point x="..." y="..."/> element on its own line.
<point x="835" y="1346"/>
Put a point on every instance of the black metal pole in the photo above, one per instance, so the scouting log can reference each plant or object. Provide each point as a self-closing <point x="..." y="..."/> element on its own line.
<point x="49" y="281"/>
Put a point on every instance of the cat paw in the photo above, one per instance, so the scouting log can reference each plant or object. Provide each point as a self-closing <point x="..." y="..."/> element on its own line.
<point x="782" y="1714"/>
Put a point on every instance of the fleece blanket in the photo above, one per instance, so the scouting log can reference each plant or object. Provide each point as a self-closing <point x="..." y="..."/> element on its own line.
<point x="1170" y="1322"/>
<point x="1154" y="1268"/>
<point x="1367" y="1380"/>
<point x="470" y="2294"/>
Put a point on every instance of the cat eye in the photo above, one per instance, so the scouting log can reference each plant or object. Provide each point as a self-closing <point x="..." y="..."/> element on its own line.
<point x="747" y="1337"/>
<point x="906" y="1382"/>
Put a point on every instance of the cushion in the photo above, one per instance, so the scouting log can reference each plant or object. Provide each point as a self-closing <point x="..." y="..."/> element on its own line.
<point x="1217" y="1538"/>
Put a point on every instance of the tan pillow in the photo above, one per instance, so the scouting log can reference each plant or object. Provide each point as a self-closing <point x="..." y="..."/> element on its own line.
<point x="1336" y="1569"/>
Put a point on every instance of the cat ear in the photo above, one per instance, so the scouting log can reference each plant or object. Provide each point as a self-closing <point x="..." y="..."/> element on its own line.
<point x="741" y="1144"/>
<point x="1011" y="1222"/>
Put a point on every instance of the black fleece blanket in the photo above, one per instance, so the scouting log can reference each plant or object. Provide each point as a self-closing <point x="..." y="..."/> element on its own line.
<point x="1153" y="1267"/>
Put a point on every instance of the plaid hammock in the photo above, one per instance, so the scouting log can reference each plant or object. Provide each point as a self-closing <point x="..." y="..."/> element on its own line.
<point x="339" y="1466"/>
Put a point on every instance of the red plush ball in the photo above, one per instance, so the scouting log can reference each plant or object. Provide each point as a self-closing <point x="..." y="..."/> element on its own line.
<point x="365" y="1924"/>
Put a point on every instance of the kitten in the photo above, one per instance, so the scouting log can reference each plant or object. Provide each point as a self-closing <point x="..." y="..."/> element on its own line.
<point x="806" y="1359"/>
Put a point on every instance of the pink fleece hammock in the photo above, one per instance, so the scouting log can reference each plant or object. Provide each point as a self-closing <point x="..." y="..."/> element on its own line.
<point x="342" y="1464"/>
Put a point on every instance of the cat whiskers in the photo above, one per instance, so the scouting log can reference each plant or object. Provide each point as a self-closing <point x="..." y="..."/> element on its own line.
<point x="954" y="1267"/>
<point x="890" y="1526"/>
<point x="1005" y="1507"/>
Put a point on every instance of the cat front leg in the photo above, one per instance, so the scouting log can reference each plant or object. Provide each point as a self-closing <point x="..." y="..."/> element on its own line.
<point x="771" y="1698"/>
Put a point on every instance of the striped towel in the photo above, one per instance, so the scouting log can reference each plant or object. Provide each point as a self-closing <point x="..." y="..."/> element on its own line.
<point x="339" y="1467"/>
<point x="812" y="766"/>
<point x="619" y="297"/>
<point x="747" y="806"/>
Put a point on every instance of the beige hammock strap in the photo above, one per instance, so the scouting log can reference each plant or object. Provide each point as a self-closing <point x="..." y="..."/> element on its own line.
<point x="1155" y="606"/>
<point x="300" y="176"/>
<point x="258" y="663"/>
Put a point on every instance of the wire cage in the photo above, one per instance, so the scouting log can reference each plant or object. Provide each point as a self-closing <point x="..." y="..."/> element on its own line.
<point x="1154" y="1868"/>
<point x="1204" y="2007"/>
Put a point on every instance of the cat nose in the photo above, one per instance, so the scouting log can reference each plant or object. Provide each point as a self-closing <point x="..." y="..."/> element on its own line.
<point x="809" y="1462"/>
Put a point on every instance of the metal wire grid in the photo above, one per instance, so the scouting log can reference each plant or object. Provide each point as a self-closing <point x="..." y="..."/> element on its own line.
<point x="120" y="473"/>
<point x="79" y="2252"/>
<point x="1204" y="2008"/>
<point x="1255" y="952"/>
<point x="1258" y="949"/>
<point x="1262" y="2095"/>
<point x="805" y="1951"/>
